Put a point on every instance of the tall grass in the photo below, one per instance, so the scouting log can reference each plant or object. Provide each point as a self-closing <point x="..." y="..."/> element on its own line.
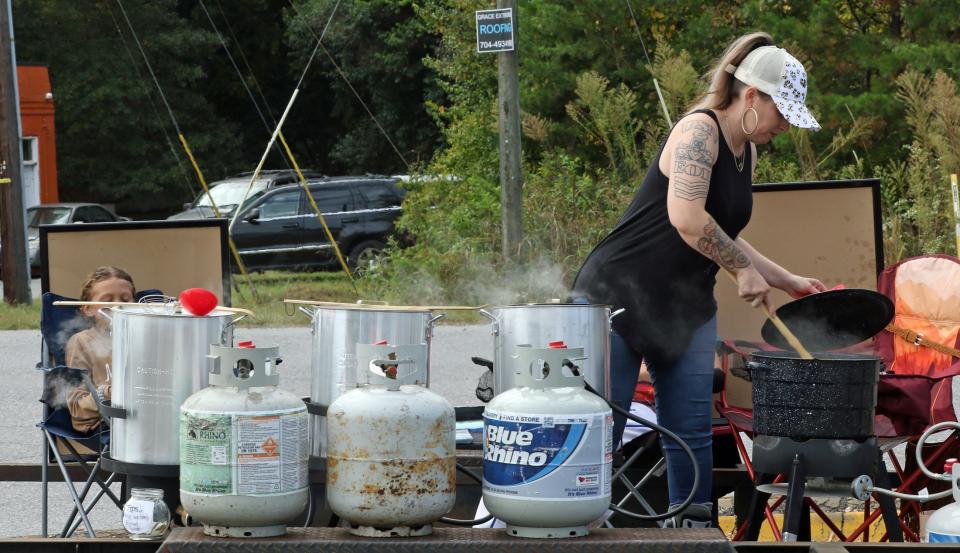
<point x="917" y="207"/>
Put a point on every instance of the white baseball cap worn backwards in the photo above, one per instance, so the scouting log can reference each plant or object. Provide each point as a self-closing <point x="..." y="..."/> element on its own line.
<point x="776" y="73"/>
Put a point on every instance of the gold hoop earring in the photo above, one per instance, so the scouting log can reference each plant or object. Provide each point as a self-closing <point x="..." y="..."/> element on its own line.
<point x="743" y="121"/>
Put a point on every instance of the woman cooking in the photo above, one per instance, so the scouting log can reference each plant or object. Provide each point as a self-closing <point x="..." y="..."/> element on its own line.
<point x="682" y="227"/>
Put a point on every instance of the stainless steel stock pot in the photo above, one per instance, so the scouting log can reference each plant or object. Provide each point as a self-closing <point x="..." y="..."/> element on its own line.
<point x="336" y="332"/>
<point x="159" y="359"/>
<point x="584" y="326"/>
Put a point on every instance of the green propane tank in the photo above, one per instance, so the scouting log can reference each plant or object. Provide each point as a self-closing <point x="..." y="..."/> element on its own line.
<point x="244" y="447"/>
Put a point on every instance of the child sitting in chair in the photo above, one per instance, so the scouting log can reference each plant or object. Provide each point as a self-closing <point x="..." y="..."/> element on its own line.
<point x="92" y="349"/>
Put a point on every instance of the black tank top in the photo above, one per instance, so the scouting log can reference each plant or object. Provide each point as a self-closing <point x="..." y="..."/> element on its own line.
<point x="645" y="266"/>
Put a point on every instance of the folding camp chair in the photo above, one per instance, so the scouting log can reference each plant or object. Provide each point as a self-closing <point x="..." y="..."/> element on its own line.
<point x="57" y="324"/>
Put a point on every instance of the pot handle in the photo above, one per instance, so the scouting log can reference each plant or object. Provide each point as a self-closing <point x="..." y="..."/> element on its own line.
<point x="753" y="366"/>
<point x="306" y="311"/>
<point x="494" y="323"/>
<point x="106" y="410"/>
<point x="226" y="327"/>
<point x="615" y="313"/>
<point x="103" y="313"/>
<point x="432" y="323"/>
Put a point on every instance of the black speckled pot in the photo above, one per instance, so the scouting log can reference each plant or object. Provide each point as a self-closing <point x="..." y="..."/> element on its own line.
<point x="832" y="396"/>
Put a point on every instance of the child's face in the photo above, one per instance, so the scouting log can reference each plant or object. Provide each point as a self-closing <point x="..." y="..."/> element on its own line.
<point x="112" y="289"/>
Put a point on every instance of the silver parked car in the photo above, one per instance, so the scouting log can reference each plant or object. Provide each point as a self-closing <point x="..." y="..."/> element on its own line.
<point x="61" y="214"/>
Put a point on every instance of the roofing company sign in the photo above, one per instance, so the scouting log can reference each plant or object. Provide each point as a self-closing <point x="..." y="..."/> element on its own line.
<point x="495" y="30"/>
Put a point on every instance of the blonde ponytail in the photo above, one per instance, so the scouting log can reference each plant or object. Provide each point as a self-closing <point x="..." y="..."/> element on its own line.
<point x="722" y="84"/>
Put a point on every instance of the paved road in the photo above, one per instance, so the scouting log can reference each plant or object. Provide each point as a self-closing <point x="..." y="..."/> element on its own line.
<point x="452" y="375"/>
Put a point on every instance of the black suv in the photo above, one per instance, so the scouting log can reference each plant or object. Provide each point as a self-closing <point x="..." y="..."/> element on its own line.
<point x="227" y="193"/>
<point x="278" y="229"/>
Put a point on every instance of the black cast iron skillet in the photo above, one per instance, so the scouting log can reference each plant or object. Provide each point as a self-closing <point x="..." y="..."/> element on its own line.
<point x="831" y="320"/>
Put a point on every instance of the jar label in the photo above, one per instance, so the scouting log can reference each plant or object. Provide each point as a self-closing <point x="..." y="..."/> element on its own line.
<point x="251" y="453"/>
<point x="138" y="516"/>
<point x="547" y="457"/>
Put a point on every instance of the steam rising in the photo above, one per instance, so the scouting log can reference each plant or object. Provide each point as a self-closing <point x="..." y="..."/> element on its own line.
<point x="58" y="383"/>
<point x="536" y="282"/>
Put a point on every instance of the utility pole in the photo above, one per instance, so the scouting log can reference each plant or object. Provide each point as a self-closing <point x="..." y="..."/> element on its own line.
<point x="511" y="177"/>
<point x="16" y="281"/>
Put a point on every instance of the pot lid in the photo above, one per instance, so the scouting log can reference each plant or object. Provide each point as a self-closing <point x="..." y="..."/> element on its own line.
<point x="831" y="320"/>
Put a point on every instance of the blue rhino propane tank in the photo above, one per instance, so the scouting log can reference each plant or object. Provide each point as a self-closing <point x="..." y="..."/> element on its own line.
<point x="547" y="448"/>
<point x="943" y="526"/>
<point x="244" y="447"/>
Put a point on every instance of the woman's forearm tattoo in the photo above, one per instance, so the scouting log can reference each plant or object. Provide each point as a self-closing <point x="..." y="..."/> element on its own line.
<point x="716" y="245"/>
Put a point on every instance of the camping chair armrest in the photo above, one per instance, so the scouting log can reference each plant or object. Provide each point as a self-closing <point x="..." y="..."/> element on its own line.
<point x="106" y="410"/>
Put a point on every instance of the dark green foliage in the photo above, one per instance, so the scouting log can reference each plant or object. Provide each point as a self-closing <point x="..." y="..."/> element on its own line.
<point x="110" y="144"/>
<point x="379" y="45"/>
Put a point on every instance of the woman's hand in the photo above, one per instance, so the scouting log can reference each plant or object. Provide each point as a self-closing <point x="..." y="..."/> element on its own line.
<point x="752" y="287"/>
<point x="798" y="286"/>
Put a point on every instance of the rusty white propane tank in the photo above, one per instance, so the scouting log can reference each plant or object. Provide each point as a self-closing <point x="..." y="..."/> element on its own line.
<point x="547" y="448"/>
<point x="244" y="447"/>
<point x="391" y="449"/>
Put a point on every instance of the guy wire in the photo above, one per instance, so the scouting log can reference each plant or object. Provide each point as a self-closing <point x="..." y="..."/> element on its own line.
<point x="243" y="81"/>
<point x="186" y="148"/>
<point x="153" y="104"/>
<point x="656" y="84"/>
<point x="352" y="89"/>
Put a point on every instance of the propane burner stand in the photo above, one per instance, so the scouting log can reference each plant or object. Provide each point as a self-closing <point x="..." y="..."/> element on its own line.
<point x="833" y="467"/>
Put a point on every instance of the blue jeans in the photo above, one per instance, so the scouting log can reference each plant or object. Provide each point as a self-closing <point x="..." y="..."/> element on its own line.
<point x="683" y="393"/>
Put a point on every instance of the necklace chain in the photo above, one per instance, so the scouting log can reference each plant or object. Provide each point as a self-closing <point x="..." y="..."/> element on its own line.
<point x="737" y="161"/>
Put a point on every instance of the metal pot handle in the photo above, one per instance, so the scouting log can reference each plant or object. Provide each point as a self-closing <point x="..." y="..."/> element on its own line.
<point x="228" y="326"/>
<point x="494" y="323"/>
<point x="306" y="311"/>
<point x="102" y="313"/>
<point x="432" y="323"/>
<point x="615" y="313"/>
<point x="753" y="366"/>
<point x="104" y="406"/>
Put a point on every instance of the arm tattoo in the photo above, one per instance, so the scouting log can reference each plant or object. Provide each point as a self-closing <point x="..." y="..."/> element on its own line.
<point x="716" y="245"/>
<point x="692" y="155"/>
<point x="690" y="189"/>
<point x="698" y="135"/>
<point x="691" y="169"/>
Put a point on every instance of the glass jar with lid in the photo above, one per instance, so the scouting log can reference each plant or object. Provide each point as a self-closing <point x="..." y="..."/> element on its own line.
<point x="145" y="514"/>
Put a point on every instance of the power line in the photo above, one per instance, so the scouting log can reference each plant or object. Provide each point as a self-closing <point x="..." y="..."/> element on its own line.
<point x="350" y="85"/>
